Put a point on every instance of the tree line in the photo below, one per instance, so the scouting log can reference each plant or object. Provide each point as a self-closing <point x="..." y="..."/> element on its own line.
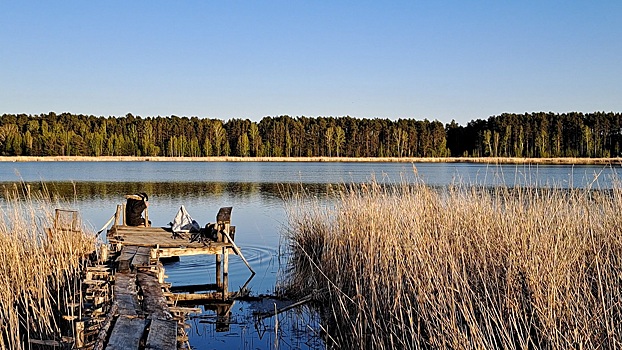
<point x="573" y="134"/>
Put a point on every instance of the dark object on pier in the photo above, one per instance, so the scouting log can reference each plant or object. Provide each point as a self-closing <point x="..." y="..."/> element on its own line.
<point x="214" y="232"/>
<point x="136" y="204"/>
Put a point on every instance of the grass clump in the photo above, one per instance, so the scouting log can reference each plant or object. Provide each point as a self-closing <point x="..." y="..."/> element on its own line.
<point x="38" y="268"/>
<point x="461" y="267"/>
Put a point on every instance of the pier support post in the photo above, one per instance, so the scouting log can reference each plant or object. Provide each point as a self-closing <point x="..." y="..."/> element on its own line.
<point x="219" y="270"/>
<point x="225" y="273"/>
<point x="117" y="215"/>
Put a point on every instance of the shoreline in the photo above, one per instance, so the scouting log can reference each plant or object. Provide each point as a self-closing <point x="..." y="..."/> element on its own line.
<point x="486" y="160"/>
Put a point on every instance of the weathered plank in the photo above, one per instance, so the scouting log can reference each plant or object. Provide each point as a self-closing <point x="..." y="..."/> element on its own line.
<point x="125" y="294"/>
<point x="162" y="335"/>
<point x="188" y="251"/>
<point x="141" y="259"/>
<point x="125" y="259"/>
<point x="154" y="302"/>
<point x="103" y="330"/>
<point x="152" y="237"/>
<point x="127" y="333"/>
<point x="203" y="297"/>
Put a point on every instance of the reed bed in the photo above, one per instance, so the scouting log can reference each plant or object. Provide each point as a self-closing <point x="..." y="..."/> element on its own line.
<point x="38" y="268"/>
<point x="463" y="267"/>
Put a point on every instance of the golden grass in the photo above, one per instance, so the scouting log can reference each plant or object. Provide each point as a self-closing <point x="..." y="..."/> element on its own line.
<point x="486" y="160"/>
<point x="36" y="271"/>
<point x="462" y="267"/>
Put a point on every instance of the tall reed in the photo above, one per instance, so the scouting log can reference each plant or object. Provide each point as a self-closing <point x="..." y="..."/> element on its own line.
<point x="36" y="266"/>
<point x="461" y="267"/>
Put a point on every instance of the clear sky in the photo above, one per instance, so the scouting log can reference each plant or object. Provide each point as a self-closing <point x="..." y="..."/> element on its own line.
<point x="441" y="60"/>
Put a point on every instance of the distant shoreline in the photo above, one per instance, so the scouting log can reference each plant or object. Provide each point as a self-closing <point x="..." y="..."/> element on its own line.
<point x="486" y="160"/>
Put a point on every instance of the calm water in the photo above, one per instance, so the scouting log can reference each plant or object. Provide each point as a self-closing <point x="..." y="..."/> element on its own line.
<point x="254" y="190"/>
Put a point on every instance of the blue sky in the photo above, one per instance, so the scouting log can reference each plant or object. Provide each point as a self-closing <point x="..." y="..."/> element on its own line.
<point x="441" y="60"/>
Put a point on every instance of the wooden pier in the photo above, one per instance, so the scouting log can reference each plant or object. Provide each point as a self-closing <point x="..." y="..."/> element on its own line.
<point x="143" y="310"/>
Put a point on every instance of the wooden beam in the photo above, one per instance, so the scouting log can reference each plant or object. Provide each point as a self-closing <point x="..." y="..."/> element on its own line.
<point x="191" y="288"/>
<point x="213" y="296"/>
<point x="183" y="251"/>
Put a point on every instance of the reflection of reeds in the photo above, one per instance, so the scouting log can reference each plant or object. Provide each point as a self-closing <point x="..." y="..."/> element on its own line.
<point x="36" y="267"/>
<point x="463" y="268"/>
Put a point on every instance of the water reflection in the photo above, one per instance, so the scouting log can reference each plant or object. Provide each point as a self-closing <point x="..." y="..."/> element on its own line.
<point x="191" y="190"/>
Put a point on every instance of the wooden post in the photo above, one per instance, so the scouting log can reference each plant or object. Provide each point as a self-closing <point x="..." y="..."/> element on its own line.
<point x="124" y="218"/>
<point x="117" y="215"/>
<point x="225" y="273"/>
<point x="219" y="270"/>
<point x="79" y="336"/>
<point x="56" y="218"/>
<point x="74" y="221"/>
<point x="103" y="253"/>
<point x="147" y="217"/>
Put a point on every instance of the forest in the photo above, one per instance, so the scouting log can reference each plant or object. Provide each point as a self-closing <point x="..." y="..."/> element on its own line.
<point x="532" y="135"/>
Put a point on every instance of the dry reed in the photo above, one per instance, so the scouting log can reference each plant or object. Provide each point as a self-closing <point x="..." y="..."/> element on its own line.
<point x="36" y="268"/>
<point x="462" y="267"/>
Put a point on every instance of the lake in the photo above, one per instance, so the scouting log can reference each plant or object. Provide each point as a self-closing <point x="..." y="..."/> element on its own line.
<point x="254" y="190"/>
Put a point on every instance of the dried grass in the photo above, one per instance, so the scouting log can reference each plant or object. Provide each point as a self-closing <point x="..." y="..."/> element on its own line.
<point x="462" y="267"/>
<point x="36" y="270"/>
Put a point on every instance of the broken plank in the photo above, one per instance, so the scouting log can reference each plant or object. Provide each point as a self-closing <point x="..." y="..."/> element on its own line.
<point x="125" y="259"/>
<point x="141" y="259"/>
<point x="162" y="335"/>
<point x="127" y="333"/>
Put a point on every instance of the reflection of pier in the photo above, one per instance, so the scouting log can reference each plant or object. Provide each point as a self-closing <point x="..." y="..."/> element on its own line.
<point x="145" y="311"/>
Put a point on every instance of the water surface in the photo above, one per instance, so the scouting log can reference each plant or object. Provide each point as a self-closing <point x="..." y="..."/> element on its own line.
<point x="254" y="190"/>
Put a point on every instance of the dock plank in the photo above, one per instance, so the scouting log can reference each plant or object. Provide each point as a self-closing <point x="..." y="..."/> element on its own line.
<point x="125" y="258"/>
<point x="127" y="333"/>
<point x="125" y="294"/>
<point x="162" y="335"/>
<point x="154" y="302"/>
<point x="141" y="259"/>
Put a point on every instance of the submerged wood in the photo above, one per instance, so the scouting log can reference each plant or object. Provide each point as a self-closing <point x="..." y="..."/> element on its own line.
<point x="286" y="308"/>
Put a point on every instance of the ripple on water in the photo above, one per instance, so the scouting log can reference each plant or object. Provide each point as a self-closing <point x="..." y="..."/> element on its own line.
<point x="200" y="269"/>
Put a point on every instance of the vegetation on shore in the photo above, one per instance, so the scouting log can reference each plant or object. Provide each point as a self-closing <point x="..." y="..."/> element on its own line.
<point x="529" y="135"/>
<point x="38" y="268"/>
<point x="461" y="267"/>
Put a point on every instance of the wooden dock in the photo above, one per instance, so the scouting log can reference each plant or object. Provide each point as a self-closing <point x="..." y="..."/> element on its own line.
<point x="143" y="312"/>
